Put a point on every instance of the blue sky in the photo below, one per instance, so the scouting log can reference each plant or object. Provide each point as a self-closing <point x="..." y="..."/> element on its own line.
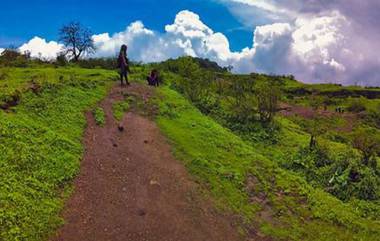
<point x="20" y="20"/>
<point x="324" y="41"/>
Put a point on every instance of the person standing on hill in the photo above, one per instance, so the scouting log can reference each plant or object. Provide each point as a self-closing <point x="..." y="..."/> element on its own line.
<point x="123" y="64"/>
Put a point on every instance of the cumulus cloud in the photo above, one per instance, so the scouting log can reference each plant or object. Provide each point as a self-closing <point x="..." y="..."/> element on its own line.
<point x="188" y="35"/>
<point x="40" y="48"/>
<point x="1" y="50"/>
<point x="330" y="40"/>
<point x="317" y="41"/>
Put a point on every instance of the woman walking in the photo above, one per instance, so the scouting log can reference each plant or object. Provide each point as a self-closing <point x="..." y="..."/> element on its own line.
<point x="123" y="64"/>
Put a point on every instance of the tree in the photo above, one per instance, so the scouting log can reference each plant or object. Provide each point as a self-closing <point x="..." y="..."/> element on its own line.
<point x="357" y="105"/>
<point x="243" y="99"/>
<point x="368" y="143"/>
<point x="268" y="94"/>
<point x="316" y="101"/>
<point x="77" y="40"/>
<point x="315" y="127"/>
<point x="12" y="57"/>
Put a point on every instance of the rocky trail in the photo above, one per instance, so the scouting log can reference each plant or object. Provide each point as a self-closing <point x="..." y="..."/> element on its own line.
<point x="131" y="187"/>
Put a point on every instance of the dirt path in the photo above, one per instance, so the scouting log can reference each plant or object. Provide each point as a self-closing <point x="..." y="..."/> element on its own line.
<point x="130" y="187"/>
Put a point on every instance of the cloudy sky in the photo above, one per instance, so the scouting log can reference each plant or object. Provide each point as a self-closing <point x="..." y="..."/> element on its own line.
<point x="317" y="41"/>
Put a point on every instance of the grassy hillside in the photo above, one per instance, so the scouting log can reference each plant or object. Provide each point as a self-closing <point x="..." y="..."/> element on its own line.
<point x="40" y="143"/>
<point x="276" y="202"/>
<point x="307" y="171"/>
<point x="314" y="160"/>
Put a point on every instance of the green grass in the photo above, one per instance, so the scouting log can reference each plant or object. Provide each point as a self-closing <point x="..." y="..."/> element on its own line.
<point x="119" y="109"/>
<point x="41" y="148"/>
<point x="100" y="116"/>
<point x="14" y="80"/>
<point x="40" y="145"/>
<point x="224" y="164"/>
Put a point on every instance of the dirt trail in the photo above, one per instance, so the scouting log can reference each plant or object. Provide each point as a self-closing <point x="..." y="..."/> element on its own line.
<point x="130" y="187"/>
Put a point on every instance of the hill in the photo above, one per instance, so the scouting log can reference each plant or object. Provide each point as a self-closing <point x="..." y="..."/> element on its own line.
<point x="291" y="161"/>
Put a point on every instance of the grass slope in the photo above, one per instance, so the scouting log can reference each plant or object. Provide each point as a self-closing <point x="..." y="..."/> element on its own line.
<point x="278" y="203"/>
<point x="40" y="145"/>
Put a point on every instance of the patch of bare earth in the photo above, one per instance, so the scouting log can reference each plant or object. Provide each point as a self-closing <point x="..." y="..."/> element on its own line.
<point x="130" y="186"/>
<point x="309" y="113"/>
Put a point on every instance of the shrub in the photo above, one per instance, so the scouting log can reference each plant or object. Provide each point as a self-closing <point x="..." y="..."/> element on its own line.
<point x="368" y="143"/>
<point x="267" y="95"/>
<point x="356" y="106"/>
<point x="341" y="174"/>
<point x="4" y="73"/>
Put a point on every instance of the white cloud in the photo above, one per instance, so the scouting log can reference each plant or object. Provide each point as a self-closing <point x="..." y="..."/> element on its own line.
<point x="331" y="40"/>
<point x="138" y="38"/>
<point x="188" y="35"/>
<point x="318" y="34"/>
<point x="319" y="46"/>
<point x="1" y="50"/>
<point x="39" y="48"/>
<point x="188" y="24"/>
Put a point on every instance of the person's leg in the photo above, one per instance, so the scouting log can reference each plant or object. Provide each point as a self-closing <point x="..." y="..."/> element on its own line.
<point x="121" y="77"/>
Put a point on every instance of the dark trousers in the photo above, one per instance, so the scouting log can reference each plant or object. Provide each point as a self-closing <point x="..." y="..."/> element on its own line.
<point x="124" y="75"/>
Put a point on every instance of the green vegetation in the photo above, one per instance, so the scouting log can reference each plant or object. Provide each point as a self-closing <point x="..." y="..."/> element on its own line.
<point x="248" y="105"/>
<point x="313" y="177"/>
<point x="99" y="115"/>
<point x="119" y="109"/>
<point x="282" y="204"/>
<point x="294" y="161"/>
<point x="40" y="144"/>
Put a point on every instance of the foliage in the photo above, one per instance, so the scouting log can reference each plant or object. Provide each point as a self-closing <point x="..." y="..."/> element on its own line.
<point x="372" y="118"/>
<point x="264" y="172"/>
<point x="11" y="57"/>
<point x="268" y="95"/>
<point x="316" y="101"/>
<point x="244" y="181"/>
<point x="119" y="109"/>
<point x="98" y="63"/>
<point x="342" y="175"/>
<point x="99" y="115"/>
<point x="195" y="82"/>
<point x="77" y="40"/>
<point x="315" y="127"/>
<point x="205" y="64"/>
<point x="356" y="106"/>
<point x="40" y="145"/>
<point x="367" y="142"/>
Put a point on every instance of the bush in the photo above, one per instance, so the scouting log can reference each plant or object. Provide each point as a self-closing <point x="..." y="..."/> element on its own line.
<point x="267" y="94"/>
<point x="94" y="63"/>
<point x="357" y="106"/>
<point x="367" y="142"/>
<point x="13" y="58"/>
<point x="341" y="174"/>
<point x="373" y="118"/>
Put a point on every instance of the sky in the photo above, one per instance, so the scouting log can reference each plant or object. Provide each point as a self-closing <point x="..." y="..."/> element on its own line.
<point x="318" y="41"/>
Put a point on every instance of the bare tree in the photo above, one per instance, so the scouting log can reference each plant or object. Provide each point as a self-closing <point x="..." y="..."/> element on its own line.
<point x="77" y="40"/>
